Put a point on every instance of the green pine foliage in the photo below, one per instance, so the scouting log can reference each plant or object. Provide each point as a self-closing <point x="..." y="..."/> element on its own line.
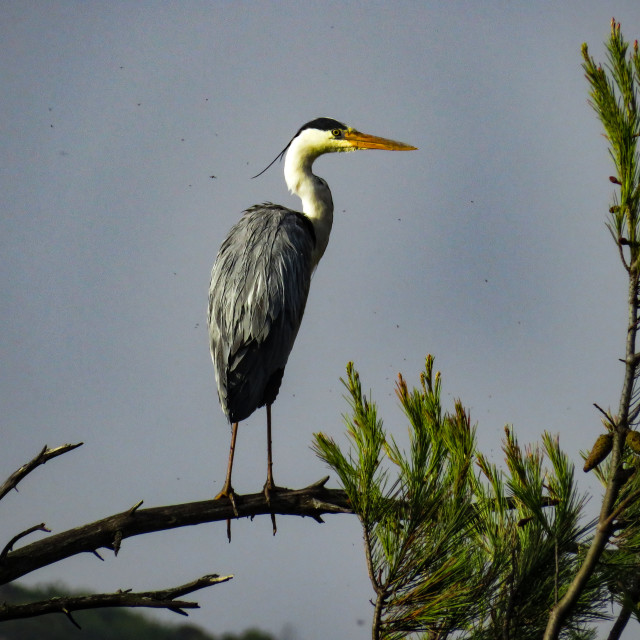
<point x="614" y="97"/>
<point x="459" y="547"/>
<point x="454" y="546"/>
<point x="414" y="507"/>
<point x="532" y="516"/>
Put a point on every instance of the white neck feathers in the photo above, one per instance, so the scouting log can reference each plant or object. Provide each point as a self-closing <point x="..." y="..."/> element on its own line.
<point x="314" y="192"/>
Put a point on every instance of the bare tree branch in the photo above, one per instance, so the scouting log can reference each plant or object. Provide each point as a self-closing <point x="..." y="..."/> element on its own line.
<point x="45" y="455"/>
<point x="164" y="599"/>
<point x="313" y="501"/>
<point x="19" y="536"/>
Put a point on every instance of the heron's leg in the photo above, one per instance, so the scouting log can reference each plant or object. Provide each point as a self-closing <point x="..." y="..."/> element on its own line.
<point x="227" y="490"/>
<point x="270" y="485"/>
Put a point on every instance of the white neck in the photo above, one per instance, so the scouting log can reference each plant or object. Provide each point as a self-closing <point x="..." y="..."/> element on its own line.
<point x="314" y="192"/>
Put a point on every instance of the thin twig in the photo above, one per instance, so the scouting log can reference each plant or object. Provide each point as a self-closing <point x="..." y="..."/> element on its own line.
<point x="45" y="455"/>
<point x="631" y="596"/>
<point x="606" y="524"/>
<point x="70" y="617"/>
<point x="135" y="507"/>
<point x="22" y="534"/>
<point x="606" y="414"/>
<point x="556" y="573"/>
<point x="623" y="259"/>
<point x="621" y="622"/>
<point x="164" y="599"/>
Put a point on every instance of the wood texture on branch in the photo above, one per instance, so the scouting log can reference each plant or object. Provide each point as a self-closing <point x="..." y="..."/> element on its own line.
<point x="45" y="455"/>
<point x="312" y="501"/>
<point x="164" y="599"/>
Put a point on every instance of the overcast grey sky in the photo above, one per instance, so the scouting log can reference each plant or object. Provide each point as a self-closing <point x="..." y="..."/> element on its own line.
<point x="487" y="247"/>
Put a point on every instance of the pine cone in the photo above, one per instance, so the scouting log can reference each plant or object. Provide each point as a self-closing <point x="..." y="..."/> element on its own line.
<point x="600" y="450"/>
<point x="633" y="440"/>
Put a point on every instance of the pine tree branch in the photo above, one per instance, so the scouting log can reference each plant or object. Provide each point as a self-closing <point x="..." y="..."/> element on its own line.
<point x="164" y="599"/>
<point x="312" y="501"/>
<point x="44" y="456"/>
<point x="621" y="622"/>
<point x="631" y="595"/>
<point x="376" y="626"/>
<point x="604" y="529"/>
<point x="629" y="500"/>
<point x="615" y="104"/>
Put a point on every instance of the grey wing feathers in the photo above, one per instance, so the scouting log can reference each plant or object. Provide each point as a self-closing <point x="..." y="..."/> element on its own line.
<point x="258" y="291"/>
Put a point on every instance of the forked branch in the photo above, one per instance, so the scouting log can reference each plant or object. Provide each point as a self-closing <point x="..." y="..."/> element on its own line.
<point x="312" y="501"/>
<point x="44" y="456"/>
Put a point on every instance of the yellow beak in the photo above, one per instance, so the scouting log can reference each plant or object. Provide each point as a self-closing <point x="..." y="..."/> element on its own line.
<point x="360" y="140"/>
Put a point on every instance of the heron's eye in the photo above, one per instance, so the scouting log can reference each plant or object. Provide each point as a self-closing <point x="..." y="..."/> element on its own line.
<point x="337" y="133"/>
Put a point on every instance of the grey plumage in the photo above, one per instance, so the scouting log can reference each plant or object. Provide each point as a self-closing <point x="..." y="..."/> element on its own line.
<point x="260" y="282"/>
<point x="258" y="291"/>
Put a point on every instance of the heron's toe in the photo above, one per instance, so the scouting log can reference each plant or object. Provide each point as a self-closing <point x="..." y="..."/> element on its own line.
<point x="230" y="494"/>
<point x="270" y="489"/>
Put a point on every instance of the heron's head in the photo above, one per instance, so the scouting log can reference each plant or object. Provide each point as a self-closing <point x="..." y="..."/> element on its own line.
<point x="326" y="135"/>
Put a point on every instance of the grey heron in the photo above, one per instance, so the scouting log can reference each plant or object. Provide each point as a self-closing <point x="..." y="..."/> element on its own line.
<point x="261" y="277"/>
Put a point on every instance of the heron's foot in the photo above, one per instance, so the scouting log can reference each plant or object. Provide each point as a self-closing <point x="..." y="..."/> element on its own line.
<point x="270" y="489"/>
<point x="230" y="494"/>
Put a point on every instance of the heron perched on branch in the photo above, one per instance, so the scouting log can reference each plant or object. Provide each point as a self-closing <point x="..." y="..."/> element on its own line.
<point x="261" y="277"/>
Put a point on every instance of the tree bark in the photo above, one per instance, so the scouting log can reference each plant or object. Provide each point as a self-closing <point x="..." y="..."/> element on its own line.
<point x="108" y="533"/>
